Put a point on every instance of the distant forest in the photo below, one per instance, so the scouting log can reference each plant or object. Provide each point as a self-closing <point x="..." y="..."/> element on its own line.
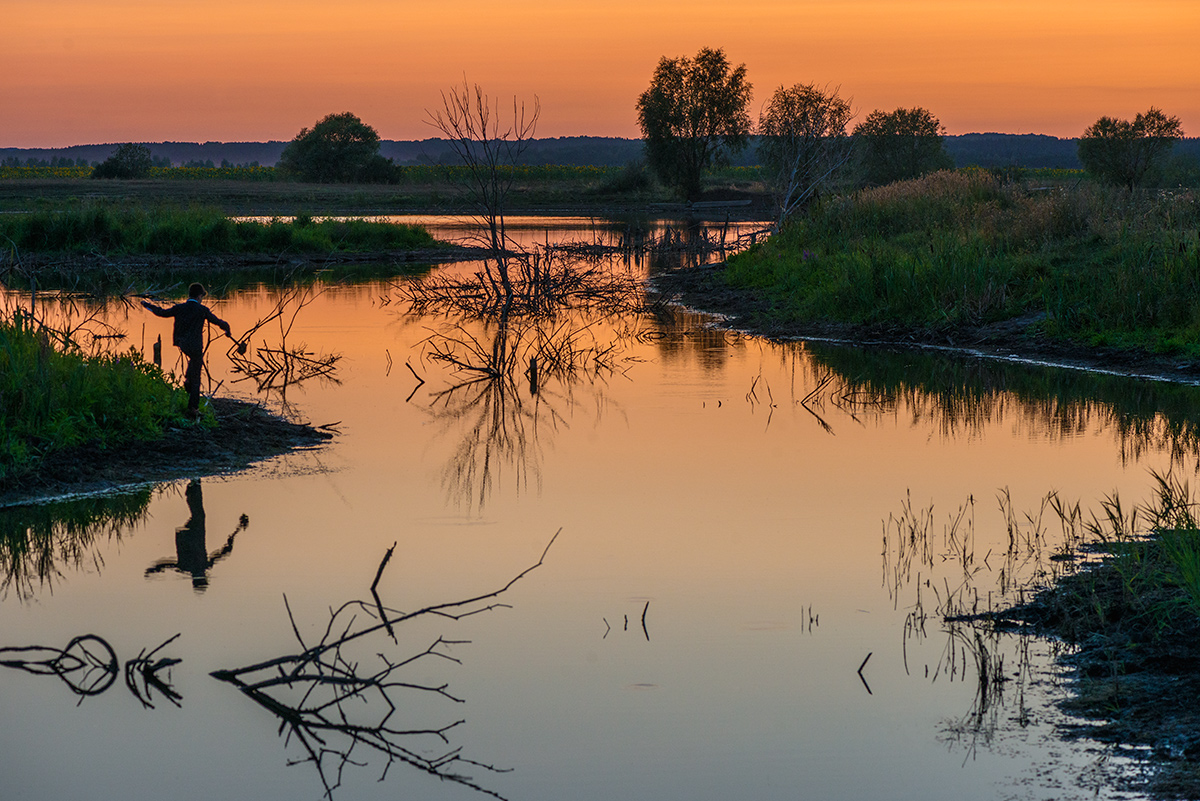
<point x="981" y="149"/>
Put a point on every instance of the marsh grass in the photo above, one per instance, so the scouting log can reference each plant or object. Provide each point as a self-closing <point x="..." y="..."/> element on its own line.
<point x="54" y="395"/>
<point x="117" y="229"/>
<point x="961" y="248"/>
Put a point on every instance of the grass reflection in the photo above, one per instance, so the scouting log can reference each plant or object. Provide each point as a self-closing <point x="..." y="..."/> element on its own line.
<point x="961" y="396"/>
<point x="39" y="544"/>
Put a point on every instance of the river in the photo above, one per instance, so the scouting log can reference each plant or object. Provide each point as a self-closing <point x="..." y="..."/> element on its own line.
<point x="754" y="544"/>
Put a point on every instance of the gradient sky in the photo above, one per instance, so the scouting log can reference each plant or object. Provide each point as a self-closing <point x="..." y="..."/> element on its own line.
<point x="93" y="71"/>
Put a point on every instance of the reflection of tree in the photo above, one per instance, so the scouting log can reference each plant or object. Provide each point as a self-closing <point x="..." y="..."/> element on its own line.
<point x="38" y="543"/>
<point x="513" y="383"/>
<point x="192" y="555"/>
<point x="341" y="708"/>
<point x="554" y="323"/>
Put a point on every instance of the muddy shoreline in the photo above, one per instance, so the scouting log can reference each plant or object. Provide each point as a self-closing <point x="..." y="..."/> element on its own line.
<point x="703" y="289"/>
<point x="246" y="433"/>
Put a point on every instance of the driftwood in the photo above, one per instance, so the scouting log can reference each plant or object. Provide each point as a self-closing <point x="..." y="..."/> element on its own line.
<point x="334" y="706"/>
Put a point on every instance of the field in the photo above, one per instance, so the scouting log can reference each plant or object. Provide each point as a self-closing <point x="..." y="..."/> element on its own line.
<point x="422" y="189"/>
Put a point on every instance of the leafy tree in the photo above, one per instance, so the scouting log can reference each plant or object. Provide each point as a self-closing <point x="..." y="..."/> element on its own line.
<point x="1124" y="152"/>
<point x="803" y="142"/>
<point x="693" y="116"/>
<point x="340" y="148"/>
<point x="127" y="161"/>
<point x="905" y="143"/>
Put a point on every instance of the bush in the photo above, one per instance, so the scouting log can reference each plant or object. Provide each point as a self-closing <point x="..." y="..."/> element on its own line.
<point x="128" y="161"/>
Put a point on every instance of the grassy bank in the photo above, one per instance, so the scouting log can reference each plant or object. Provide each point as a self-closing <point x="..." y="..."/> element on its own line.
<point x="53" y="396"/>
<point x="1094" y="265"/>
<point x="115" y="229"/>
<point x="1131" y="613"/>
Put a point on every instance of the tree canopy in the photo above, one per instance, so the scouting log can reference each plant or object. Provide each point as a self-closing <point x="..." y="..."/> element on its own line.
<point x="340" y="148"/>
<point x="1125" y="152"/>
<point x="127" y="161"/>
<point x="693" y="115"/>
<point x="900" y="144"/>
<point x="803" y="142"/>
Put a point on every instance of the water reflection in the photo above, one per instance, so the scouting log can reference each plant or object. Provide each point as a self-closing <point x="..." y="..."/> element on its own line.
<point x="341" y="708"/>
<point x="518" y="334"/>
<point x="89" y="666"/>
<point x="961" y="396"/>
<point x="191" y="551"/>
<point x="275" y="365"/>
<point x="38" y="544"/>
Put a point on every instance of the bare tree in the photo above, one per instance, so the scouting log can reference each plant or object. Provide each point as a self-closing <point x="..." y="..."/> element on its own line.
<point x="487" y="147"/>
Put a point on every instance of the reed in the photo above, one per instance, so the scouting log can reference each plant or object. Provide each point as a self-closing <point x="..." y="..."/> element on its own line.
<point x="113" y="228"/>
<point x="53" y="395"/>
<point x="1101" y="265"/>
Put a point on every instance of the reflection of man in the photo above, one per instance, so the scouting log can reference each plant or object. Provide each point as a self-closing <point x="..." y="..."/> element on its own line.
<point x="188" y="336"/>
<point x="191" y="554"/>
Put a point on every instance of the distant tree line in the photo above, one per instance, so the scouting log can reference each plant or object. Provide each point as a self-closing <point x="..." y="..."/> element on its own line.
<point x="695" y="116"/>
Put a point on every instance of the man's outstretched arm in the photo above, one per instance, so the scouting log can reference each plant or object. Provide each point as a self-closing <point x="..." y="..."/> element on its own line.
<point x="150" y="307"/>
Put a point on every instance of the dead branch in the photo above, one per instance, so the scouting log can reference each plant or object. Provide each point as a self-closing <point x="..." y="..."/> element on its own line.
<point x="309" y="691"/>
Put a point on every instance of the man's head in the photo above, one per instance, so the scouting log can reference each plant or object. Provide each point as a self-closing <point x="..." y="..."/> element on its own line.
<point x="196" y="291"/>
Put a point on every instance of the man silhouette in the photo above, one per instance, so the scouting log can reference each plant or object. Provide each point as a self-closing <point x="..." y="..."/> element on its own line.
<point x="188" y="336"/>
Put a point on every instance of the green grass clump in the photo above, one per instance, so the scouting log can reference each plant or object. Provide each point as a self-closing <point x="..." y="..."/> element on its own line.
<point x="960" y="248"/>
<point x="53" y="396"/>
<point x="113" y="229"/>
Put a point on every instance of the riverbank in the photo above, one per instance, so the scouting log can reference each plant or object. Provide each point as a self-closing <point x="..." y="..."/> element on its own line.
<point x="1128" y="608"/>
<point x="245" y="433"/>
<point x="706" y="289"/>
<point x="964" y="255"/>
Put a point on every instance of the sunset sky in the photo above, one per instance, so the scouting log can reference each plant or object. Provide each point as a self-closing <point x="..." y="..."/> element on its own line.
<point x="95" y="71"/>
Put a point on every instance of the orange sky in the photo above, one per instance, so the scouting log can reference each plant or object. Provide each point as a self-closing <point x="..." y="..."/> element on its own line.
<point x="89" y="71"/>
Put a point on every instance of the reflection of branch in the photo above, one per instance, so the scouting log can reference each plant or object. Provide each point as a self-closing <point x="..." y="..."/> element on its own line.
<point x="275" y="368"/>
<point x="308" y="691"/>
<point x="88" y="665"/>
<point x="141" y="676"/>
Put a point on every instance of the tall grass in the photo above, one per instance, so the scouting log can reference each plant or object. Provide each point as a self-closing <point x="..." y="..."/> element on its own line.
<point x="960" y="248"/>
<point x="167" y="230"/>
<point x="53" y="396"/>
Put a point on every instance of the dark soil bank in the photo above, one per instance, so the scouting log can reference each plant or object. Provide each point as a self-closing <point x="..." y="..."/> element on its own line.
<point x="245" y="433"/>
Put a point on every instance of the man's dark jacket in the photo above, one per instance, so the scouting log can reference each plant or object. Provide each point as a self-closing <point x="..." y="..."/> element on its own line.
<point x="188" y="333"/>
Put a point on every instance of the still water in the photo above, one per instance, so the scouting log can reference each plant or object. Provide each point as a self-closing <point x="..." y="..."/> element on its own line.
<point x="729" y="611"/>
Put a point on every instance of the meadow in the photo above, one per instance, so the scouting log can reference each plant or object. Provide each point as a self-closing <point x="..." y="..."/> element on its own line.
<point x="1080" y="261"/>
<point x="420" y="189"/>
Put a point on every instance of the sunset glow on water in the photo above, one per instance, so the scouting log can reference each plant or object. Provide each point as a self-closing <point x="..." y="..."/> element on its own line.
<point x="85" y="72"/>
